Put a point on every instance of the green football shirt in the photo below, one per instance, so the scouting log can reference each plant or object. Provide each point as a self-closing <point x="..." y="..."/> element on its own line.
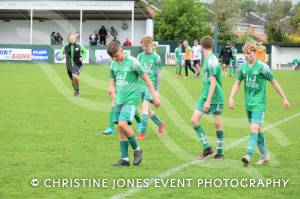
<point x="255" y="84"/>
<point x="178" y="53"/>
<point x="211" y="67"/>
<point x="126" y="76"/>
<point x="152" y="63"/>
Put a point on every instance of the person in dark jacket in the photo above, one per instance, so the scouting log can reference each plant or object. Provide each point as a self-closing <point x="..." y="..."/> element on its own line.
<point x="225" y="56"/>
<point x="74" y="54"/>
<point x="59" y="39"/>
<point x="102" y="35"/>
<point x="93" y="39"/>
<point x="53" y="38"/>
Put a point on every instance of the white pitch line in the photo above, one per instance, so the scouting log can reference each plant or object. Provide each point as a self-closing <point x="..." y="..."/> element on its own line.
<point x="172" y="171"/>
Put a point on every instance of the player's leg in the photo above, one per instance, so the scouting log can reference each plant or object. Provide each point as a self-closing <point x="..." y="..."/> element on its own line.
<point x="186" y="66"/>
<point x="190" y="67"/>
<point x="198" y="68"/>
<point x="124" y="145"/>
<point x="71" y="78"/>
<point x="219" y="131"/>
<point x="200" y="132"/>
<point x="75" y="78"/>
<point x="123" y="141"/>
<point x="159" y="123"/>
<point x="230" y="68"/>
<point x="196" y="65"/>
<point x="138" y="121"/>
<point x="261" y="143"/>
<point x="177" y="68"/>
<point x="180" y="68"/>
<point x="110" y="129"/>
<point x="225" y="69"/>
<point x="125" y="119"/>
<point x="255" y="119"/>
<point x="234" y="66"/>
<point x="145" y="117"/>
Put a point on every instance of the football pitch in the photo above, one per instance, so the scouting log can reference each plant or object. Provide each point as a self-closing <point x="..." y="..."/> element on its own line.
<point x="47" y="134"/>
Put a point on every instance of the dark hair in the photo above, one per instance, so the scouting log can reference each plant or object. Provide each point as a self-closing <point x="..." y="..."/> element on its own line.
<point x="113" y="48"/>
<point x="207" y="42"/>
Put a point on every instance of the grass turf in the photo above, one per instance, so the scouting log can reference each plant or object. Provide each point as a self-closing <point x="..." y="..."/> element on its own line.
<point x="47" y="133"/>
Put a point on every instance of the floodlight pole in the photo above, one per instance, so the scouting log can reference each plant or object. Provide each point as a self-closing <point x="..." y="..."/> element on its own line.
<point x="216" y="35"/>
<point x="80" y="27"/>
<point x="31" y="23"/>
<point x="132" y="25"/>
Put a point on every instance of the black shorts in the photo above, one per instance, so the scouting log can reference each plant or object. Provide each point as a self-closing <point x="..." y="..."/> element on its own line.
<point x="73" y="70"/>
<point x="187" y="63"/>
<point x="196" y="62"/>
<point x="227" y="62"/>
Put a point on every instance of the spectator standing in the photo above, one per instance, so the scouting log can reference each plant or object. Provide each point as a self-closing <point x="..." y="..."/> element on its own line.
<point x="59" y="39"/>
<point x="102" y="34"/>
<point x="114" y="33"/>
<point x="53" y="38"/>
<point x="93" y="39"/>
<point x="196" y="57"/>
<point x="226" y="56"/>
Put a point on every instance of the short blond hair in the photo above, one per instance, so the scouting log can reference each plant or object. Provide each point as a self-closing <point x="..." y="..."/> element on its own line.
<point x="185" y="43"/>
<point x="147" y="40"/>
<point x="249" y="47"/>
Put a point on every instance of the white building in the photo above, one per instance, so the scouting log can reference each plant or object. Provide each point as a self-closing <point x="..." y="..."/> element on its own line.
<point x="31" y="22"/>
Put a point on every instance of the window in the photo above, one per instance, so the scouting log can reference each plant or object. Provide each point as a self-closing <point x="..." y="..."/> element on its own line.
<point x="241" y="28"/>
<point x="260" y="30"/>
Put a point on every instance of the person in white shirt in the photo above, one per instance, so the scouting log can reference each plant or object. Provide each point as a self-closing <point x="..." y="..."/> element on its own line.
<point x="196" y="57"/>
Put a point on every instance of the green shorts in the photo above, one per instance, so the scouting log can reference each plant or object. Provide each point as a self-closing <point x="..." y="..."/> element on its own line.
<point x="256" y="117"/>
<point x="124" y="112"/>
<point x="178" y="62"/>
<point x="215" y="109"/>
<point x="146" y="95"/>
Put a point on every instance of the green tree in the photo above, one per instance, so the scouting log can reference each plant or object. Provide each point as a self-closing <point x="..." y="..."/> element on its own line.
<point x="181" y="20"/>
<point x="226" y="14"/>
<point x="295" y="19"/>
<point x="248" y="6"/>
<point x="277" y="10"/>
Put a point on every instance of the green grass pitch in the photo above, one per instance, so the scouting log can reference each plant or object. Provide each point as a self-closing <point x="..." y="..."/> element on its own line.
<point x="46" y="133"/>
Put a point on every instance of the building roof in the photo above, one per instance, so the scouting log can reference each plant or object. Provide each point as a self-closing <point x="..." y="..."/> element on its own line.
<point x="142" y="10"/>
<point x="253" y="19"/>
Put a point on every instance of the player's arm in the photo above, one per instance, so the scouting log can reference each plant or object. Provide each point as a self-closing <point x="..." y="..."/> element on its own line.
<point x="83" y="52"/>
<point x="210" y="92"/>
<point x="112" y="86"/>
<point x="140" y="70"/>
<point x="149" y="84"/>
<point x="280" y="91"/>
<point x="233" y="93"/>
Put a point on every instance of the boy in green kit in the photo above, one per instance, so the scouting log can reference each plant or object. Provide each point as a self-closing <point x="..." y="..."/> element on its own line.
<point x="125" y="88"/>
<point x="210" y="101"/>
<point x="178" y="54"/>
<point x="255" y="73"/>
<point x="152" y="63"/>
